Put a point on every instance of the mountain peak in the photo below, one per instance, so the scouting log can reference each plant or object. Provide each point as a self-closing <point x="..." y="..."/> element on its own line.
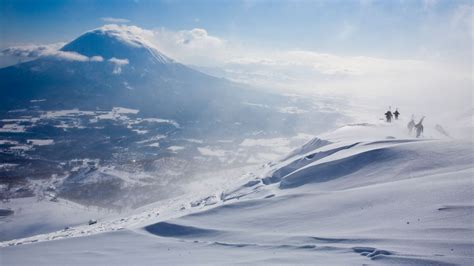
<point x="118" y="41"/>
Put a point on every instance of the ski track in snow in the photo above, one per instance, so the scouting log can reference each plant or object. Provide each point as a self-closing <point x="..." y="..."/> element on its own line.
<point x="352" y="197"/>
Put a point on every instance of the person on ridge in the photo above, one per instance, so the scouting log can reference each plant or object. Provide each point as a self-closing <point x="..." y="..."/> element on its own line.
<point x="419" y="127"/>
<point x="396" y="114"/>
<point x="411" y="124"/>
<point x="388" y="116"/>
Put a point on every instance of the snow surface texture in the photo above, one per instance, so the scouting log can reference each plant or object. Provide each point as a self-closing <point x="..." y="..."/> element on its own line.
<point x="353" y="196"/>
<point x="45" y="216"/>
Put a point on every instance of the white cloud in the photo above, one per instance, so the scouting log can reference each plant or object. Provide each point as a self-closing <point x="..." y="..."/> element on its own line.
<point x="118" y="63"/>
<point x="130" y="35"/>
<point x="96" y="58"/>
<point x="389" y="79"/>
<point x="198" y="47"/>
<point x="193" y="46"/>
<point x="406" y="80"/>
<point x="71" y="56"/>
<point x="30" y="52"/>
<point x="299" y="70"/>
<point x="114" y="20"/>
<point x="198" y="38"/>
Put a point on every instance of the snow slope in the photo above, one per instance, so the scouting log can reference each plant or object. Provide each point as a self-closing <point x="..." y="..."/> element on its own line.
<point x="32" y="217"/>
<point x="363" y="194"/>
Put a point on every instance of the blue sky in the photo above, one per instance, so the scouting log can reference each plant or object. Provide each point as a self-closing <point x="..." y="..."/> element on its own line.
<point x="375" y="28"/>
<point x="390" y="48"/>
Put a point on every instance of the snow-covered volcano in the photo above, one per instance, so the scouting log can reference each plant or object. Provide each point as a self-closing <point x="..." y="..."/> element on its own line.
<point x="106" y="66"/>
<point x="115" y="41"/>
<point x="118" y="66"/>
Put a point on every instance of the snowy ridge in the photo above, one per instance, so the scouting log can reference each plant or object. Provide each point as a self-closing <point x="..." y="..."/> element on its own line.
<point x="358" y="195"/>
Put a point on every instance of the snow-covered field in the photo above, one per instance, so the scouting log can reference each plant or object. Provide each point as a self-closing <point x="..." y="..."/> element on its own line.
<point x="362" y="194"/>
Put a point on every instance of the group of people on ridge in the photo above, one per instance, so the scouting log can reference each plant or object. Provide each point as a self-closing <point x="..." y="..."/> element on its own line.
<point x="389" y="115"/>
<point x="411" y="125"/>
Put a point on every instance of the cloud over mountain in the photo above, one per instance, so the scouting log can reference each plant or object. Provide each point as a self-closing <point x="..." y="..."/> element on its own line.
<point x="32" y="50"/>
<point x="118" y="63"/>
<point x="291" y="69"/>
<point x="51" y="50"/>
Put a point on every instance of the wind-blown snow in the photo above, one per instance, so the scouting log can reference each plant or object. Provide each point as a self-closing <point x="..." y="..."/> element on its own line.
<point x="46" y="216"/>
<point x="365" y="192"/>
<point x="131" y="35"/>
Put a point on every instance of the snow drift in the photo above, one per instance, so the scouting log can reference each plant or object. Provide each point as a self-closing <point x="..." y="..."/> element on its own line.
<point x="351" y="198"/>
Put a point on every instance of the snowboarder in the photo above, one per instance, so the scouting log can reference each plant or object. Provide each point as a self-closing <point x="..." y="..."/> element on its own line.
<point x="396" y="114"/>
<point x="419" y="127"/>
<point x="411" y="124"/>
<point x="388" y="116"/>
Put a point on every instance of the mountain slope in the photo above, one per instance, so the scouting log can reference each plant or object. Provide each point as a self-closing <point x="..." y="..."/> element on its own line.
<point x="116" y="66"/>
<point x="110" y="104"/>
<point x="127" y="72"/>
<point x="356" y="197"/>
<point x="113" y="41"/>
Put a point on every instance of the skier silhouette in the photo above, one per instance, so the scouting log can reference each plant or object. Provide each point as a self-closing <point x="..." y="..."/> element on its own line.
<point x="419" y="127"/>
<point x="411" y="124"/>
<point x="396" y="114"/>
<point x="388" y="116"/>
